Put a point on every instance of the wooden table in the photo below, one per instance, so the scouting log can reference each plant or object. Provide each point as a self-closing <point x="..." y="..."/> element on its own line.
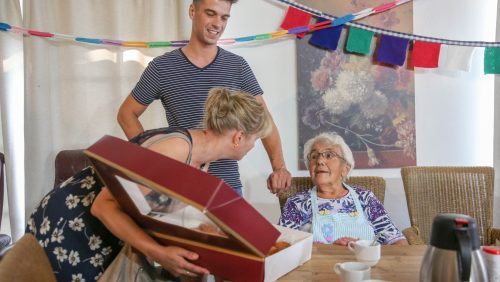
<point x="397" y="263"/>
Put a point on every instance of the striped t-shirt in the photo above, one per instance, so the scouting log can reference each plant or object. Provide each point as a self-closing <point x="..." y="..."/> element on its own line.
<point x="183" y="88"/>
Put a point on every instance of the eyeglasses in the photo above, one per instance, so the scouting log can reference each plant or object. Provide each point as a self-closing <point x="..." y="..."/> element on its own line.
<point x="328" y="155"/>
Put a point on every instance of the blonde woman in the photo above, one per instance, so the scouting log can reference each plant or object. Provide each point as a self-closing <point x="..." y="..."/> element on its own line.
<point x="80" y="247"/>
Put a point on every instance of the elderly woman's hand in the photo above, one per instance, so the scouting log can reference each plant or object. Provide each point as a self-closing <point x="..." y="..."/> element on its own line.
<point x="344" y="241"/>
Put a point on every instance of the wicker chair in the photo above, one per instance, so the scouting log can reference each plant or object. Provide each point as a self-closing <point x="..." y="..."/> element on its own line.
<point x="434" y="190"/>
<point x="374" y="183"/>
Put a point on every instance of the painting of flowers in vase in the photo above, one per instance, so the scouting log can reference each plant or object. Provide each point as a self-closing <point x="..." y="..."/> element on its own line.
<point x="371" y="105"/>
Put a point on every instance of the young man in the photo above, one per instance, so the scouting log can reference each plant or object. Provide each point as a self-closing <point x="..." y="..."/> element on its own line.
<point x="182" y="78"/>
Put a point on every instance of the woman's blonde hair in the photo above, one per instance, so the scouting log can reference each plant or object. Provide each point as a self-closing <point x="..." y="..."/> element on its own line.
<point x="227" y="110"/>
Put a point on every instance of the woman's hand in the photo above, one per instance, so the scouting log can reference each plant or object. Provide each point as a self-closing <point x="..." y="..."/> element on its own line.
<point x="174" y="259"/>
<point x="344" y="241"/>
<point x="177" y="261"/>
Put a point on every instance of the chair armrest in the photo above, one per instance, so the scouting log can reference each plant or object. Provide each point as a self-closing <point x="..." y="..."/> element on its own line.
<point x="26" y="261"/>
<point x="412" y="235"/>
<point x="494" y="236"/>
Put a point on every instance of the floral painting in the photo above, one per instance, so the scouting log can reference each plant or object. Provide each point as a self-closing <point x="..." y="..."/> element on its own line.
<point x="370" y="105"/>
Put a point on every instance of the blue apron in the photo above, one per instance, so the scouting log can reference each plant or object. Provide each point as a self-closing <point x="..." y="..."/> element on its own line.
<point x="327" y="228"/>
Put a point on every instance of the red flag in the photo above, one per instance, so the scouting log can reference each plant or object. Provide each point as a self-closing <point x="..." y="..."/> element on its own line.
<point x="295" y="18"/>
<point x="425" y="54"/>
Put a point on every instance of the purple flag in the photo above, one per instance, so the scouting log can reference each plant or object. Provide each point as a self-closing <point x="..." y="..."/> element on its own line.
<point x="327" y="38"/>
<point x="392" y="50"/>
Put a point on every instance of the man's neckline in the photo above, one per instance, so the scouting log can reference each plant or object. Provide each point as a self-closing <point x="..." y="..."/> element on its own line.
<point x="200" y="68"/>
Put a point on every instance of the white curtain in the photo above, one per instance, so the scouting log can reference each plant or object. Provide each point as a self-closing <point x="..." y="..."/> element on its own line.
<point x="11" y="104"/>
<point x="74" y="90"/>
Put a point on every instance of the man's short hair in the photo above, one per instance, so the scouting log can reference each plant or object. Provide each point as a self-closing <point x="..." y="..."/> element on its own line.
<point x="232" y="1"/>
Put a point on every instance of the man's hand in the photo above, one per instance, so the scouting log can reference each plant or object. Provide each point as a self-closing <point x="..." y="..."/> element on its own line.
<point x="279" y="180"/>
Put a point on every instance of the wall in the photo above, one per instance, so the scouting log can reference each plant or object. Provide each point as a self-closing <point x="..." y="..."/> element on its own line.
<point x="496" y="146"/>
<point x="459" y="106"/>
<point x="450" y="102"/>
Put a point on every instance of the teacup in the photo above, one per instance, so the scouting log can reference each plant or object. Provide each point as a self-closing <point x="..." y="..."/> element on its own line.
<point x="352" y="271"/>
<point x="365" y="252"/>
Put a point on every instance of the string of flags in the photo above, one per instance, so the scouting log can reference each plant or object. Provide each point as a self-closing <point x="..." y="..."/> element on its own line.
<point x="426" y="52"/>
<point x="321" y="14"/>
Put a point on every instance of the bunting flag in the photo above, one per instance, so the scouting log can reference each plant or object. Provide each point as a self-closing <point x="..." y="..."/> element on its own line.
<point x="342" y="20"/>
<point x="456" y="57"/>
<point x="492" y="60"/>
<point x="5" y="27"/>
<point x="392" y="50"/>
<point x="425" y="54"/>
<point x="359" y="40"/>
<point x="327" y="38"/>
<point x="460" y="51"/>
<point x="296" y="18"/>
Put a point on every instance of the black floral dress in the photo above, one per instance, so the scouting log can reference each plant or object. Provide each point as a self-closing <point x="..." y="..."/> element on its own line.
<point x="78" y="245"/>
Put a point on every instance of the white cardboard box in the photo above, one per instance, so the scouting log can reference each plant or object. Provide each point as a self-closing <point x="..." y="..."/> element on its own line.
<point x="290" y="258"/>
<point x="239" y="255"/>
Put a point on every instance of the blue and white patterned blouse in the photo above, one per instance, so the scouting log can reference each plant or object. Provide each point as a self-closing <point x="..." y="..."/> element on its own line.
<point x="297" y="213"/>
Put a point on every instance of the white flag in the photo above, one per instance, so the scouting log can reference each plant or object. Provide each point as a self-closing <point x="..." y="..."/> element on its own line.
<point x="456" y="57"/>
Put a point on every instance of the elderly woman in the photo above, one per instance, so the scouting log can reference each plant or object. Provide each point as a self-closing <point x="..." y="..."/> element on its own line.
<point x="332" y="210"/>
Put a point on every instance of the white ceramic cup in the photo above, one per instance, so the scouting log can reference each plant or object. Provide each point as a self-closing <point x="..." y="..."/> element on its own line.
<point x="352" y="271"/>
<point x="364" y="252"/>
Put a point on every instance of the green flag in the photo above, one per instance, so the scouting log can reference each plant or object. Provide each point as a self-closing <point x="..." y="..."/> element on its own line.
<point x="359" y="40"/>
<point x="492" y="60"/>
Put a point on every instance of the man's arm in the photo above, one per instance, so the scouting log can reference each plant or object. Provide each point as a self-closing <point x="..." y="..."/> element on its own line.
<point x="280" y="179"/>
<point x="128" y="116"/>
